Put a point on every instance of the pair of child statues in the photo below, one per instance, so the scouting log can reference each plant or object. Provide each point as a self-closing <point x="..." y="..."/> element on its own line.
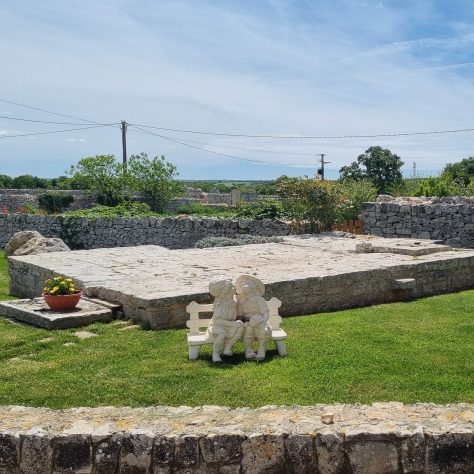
<point x="239" y="311"/>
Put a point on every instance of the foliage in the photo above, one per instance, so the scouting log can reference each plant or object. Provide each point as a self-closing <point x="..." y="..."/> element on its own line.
<point x="59" y="285"/>
<point x="462" y="172"/>
<point x="318" y="203"/>
<point x="357" y="192"/>
<point x="230" y="242"/>
<point x="100" y="174"/>
<point x="262" y="209"/>
<point x="27" y="181"/>
<point x="441" y="186"/>
<point x="377" y="164"/>
<point x="156" y="177"/>
<point x="54" y="201"/>
<point x="208" y="210"/>
<point x="124" y="209"/>
<point x="6" y="182"/>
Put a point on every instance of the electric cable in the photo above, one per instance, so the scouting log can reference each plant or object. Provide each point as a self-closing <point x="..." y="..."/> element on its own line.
<point x="52" y="131"/>
<point x="49" y="122"/>
<point x="221" y="154"/>
<point x="301" y="137"/>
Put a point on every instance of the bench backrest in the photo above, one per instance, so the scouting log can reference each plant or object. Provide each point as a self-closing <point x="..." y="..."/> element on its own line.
<point x="194" y="323"/>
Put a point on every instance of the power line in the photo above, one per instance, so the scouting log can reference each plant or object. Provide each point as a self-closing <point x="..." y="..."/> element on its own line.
<point x="297" y="137"/>
<point x="220" y="154"/>
<point x="48" y="111"/>
<point x="48" y="122"/>
<point x="52" y="131"/>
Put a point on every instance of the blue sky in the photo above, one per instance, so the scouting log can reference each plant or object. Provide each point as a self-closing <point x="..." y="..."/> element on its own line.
<point x="276" y="67"/>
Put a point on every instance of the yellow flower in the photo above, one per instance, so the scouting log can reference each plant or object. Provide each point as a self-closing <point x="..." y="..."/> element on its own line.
<point x="69" y="280"/>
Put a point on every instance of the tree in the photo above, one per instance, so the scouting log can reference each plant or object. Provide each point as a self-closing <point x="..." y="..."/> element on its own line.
<point x="27" y="181"/>
<point x="5" y="181"/>
<point x="100" y="174"/>
<point x="462" y="172"/>
<point x="319" y="203"/>
<point x="377" y="164"/>
<point x="156" y="177"/>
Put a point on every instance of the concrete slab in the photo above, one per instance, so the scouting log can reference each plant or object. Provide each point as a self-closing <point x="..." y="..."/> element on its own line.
<point x="307" y="273"/>
<point x="37" y="313"/>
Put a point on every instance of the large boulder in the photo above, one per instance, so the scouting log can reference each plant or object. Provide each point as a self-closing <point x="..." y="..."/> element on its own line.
<point x="30" y="242"/>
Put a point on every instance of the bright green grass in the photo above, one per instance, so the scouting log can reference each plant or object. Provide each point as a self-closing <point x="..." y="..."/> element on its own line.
<point x="422" y="351"/>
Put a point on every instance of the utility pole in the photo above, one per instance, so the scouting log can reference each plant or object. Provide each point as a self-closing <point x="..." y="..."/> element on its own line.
<point x="321" y="170"/>
<point x="124" y="144"/>
<point x="414" y="170"/>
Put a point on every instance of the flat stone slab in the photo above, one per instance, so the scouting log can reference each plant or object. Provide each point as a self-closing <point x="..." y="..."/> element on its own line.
<point x="308" y="274"/>
<point x="37" y="313"/>
<point x="412" y="247"/>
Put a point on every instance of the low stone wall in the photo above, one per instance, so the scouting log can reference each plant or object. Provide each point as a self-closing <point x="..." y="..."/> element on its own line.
<point x="174" y="233"/>
<point x="448" y="219"/>
<point x="362" y="439"/>
<point x="14" y="199"/>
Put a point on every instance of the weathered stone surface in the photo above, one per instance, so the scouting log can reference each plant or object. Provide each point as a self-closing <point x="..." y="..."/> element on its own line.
<point x="73" y="453"/>
<point x="447" y="219"/>
<point x="263" y="454"/>
<point x="37" y="313"/>
<point x="382" y="437"/>
<point x="307" y="273"/>
<point x="33" y="243"/>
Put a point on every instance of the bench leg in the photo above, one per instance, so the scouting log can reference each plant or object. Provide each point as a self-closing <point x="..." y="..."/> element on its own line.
<point x="281" y="348"/>
<point x="193" y="352"/>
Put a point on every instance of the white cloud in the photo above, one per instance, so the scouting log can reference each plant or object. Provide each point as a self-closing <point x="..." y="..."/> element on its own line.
<point x="274" y="67"/>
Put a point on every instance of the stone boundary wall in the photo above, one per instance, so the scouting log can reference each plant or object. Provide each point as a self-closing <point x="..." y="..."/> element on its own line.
<point x="448" y="219"/>
<point x="336" y="439"/>
<point x="174" y="233"/>
<point x="14" y="199"/>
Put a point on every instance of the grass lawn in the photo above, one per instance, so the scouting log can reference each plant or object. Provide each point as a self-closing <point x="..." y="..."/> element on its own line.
<point x="421" y="351"/>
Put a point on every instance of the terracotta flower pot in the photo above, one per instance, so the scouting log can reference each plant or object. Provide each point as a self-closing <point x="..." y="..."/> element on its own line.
<point x="62" y="302"/>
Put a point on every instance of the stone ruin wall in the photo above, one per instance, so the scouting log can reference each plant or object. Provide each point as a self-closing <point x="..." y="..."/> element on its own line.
<point x="357" y="439"/>
<point x="14" y="199"/>
<point x="174" y="233"/>
<point x="448" y="219"/>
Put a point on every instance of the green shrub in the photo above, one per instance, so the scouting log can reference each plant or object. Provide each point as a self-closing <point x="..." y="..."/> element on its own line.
<point x="199" y="209"/>
<point x="54" y="202"/>
<point x="309" y="201"/>
<point x="357" y="192"/>
<point x="442" y="186"/>
<point x="264" y="209"/>
<point x="230" y="242"/>
<point x="125" y="209"/>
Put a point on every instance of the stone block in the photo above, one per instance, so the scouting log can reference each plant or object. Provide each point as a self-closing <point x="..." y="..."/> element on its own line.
<point x="371" y="453"/>
<point x="73" y="453"/>
<point x="450" y="453"/>
<point x="222" y="450"/>
<point x="9" y="452"/>
<point x="36" y="454"/>
<point x="413" y="452"/>
<point x="302" y="454"/>
<point x="186" y="452"/>
<point x="263" y="454"/>
<point x="330" y="453"/>
<point x="135" y="454"/>
<point x="106" y="453"/>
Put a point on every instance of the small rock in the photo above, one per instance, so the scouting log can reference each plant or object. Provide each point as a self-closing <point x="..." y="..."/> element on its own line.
<point x="85" y="334"/>
<point x="47" y="339"/>
<point x="327" y="418"/>
<point x="67" y="344"/>
<point x="132" y="326"/>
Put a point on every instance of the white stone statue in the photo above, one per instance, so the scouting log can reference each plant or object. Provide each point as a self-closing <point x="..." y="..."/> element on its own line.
<point x="224" y="330"/>
<point x="253" y="310"/>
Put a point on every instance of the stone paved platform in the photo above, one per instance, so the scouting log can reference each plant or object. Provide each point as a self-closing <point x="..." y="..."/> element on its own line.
<point x="37" y="313"/>
<point x="307" y="273"/>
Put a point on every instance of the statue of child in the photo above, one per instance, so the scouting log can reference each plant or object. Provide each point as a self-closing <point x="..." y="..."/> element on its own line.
<point x="253" y="309"/>
<point x="224" y="330"/>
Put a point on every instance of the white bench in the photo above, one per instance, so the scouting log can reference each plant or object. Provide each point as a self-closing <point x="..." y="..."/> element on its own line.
<point x="197" y="338"/>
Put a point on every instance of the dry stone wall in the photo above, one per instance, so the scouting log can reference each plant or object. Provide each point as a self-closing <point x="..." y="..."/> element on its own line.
<point x="174" y="233"/>
<point x="448" y="219"/>
<point x="357" y="439"/>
